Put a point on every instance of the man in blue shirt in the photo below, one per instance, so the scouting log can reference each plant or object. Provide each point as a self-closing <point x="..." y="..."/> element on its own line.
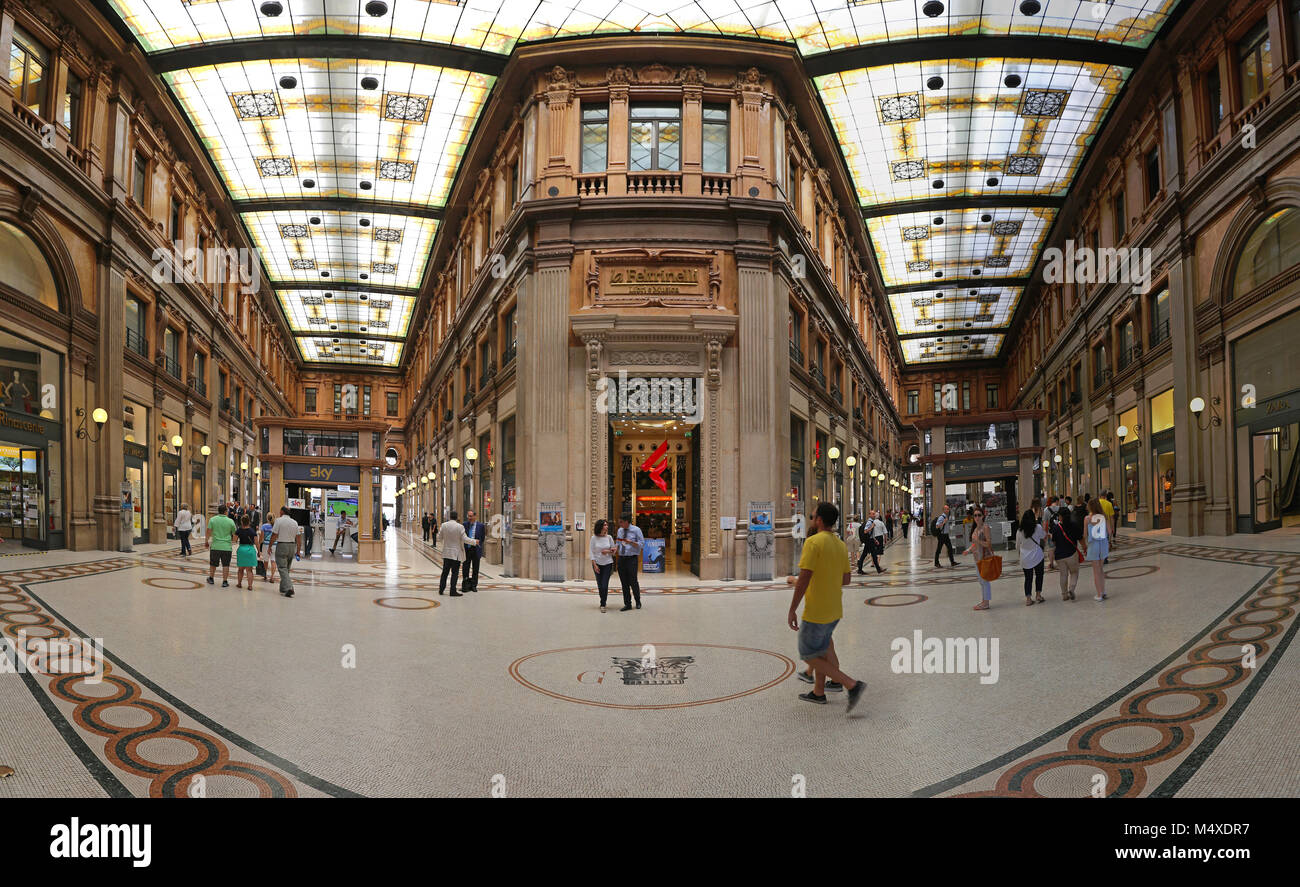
<point x="473" y="553"/>
<point x="942" y="526"/>
<point x="630" y="539"/>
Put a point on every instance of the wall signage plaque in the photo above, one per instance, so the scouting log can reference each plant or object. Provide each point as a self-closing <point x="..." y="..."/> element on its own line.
<point x="640" y="278"/>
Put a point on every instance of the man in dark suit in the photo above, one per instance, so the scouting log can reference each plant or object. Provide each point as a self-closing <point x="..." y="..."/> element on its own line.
<point x="424" y="525"/>
<point x="473" y="553"/>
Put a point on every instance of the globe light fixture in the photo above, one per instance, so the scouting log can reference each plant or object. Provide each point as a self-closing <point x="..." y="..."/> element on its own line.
<point x="1096" y="443"/>
<point x="1197" y="405"/>
<point x="99" y="415"/>
<point x="1122" y="431"/>
<point x="471" y="454"/>
<point x="243" y="466"/>
<point x="834" y="453"/>
<point x="205" y="450"/>
<point x="178" y="441"/>
<point x="851" y="460"/>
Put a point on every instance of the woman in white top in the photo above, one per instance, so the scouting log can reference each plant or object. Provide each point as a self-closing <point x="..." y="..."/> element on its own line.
<point x="602" y="550"/>
<point x="184" y="525"/>
<point x="1031" y="556"/>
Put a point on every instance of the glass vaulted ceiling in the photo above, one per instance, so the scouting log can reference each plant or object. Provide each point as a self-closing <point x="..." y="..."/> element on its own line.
<point x="339" y="166"/>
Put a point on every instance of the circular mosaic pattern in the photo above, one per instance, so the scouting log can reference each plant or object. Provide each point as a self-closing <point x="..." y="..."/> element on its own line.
<point x="427" y="605"/>
<point x="182" y="584"/>
<point x="651" y="676"/>
<point x="1133" y="572"/>
<point x="914" y="599"/>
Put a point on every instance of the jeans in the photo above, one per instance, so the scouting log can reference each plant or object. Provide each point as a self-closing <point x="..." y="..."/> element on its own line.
<point x="284" y="553"/>
<point x="986" y="590"/>
<point x="306" y="541"/>
<point x="185" y="540"/>
<point x="944" y="540"/>
<point x="1032" y="574"/>
<point x="627" y="577"/>
<point x="449" y="566"/>
<point x="603" y="572"/>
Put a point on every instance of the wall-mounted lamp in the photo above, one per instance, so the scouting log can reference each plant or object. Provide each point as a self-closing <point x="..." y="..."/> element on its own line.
<point x="454" y="464"/>
<point x="1122" y="432"/>
<point x="243" y="466"/>
<point x="99" y="416"/>
<point x="1057" y="458"/>
<point x="205" y="451"/>
<point x="178" y="441"/>
<point x="257" y="469"/>
<point x="1095" y="443"/>
<point x="833" y="453"/>
<point x="851" y="460"/>
<point x="874" y="473"/>
<point x="1197" y="406"/>
<point x="471" y="454"/>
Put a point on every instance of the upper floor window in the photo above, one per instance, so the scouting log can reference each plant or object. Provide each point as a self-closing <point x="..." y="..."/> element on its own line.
<point x="1159" y="317"/>
<point x="139" y="177"/>
<point x="1254" y="63"/>
<point x="1273" y="247"/>
<point x="1117" y="207"/>
<point x="938" y="398"/>
<point x="716" y="141"/>
<point x="172" y="351"/>
<point x="176" y="219"/>
<point x="655" y="137"/>
<point x="1214" y="100"/>
<point x="391" y="406"/>
<point x="72" y="107"/>
<point x="990" y="397"/>
<point x="135" y="321"/>
<point x="595" y="138"/>
<point x="965" y="395"/>
<point x="309" y="400"/>
<point x="1151" y="164"/>
<point x="29" y="70"/>
<point x="913" y="402"/>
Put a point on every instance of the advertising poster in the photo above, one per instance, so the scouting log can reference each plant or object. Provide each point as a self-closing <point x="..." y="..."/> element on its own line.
<point x="551" y="560"/>
<point x="761" y="555"/>
<point x="652" y="555"/>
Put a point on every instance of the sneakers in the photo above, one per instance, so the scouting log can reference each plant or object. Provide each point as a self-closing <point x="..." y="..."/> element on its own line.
<point x="1098" y="598"/>
<point x="831" y="686"/>
<point x="602" y="609"/>
<point x="225" y="583"/>
<point x="856" y="694"/>
<point x="810" y="696"/>
<point x="210" y="582"/>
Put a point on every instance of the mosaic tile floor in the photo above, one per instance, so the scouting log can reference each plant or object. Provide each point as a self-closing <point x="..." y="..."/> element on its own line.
<point x="368" y="683"/>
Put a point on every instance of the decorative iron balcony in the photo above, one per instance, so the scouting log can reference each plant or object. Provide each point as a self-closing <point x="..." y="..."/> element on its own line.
<point x="136" y="342"/>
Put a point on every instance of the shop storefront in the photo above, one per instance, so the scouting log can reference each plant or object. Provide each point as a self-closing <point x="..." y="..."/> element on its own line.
<point x="171" y="477"/>
<point x="136" y="459"/>
<point x="1162" y="458"/>
<point x="1266" y="425"/>
<point x="31" y="444"/>
<point x="1129" y="495"/>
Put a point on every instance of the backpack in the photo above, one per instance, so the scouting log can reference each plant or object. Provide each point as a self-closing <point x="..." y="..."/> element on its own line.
<point x="862" y="531"/>
<point x="934" y="525"/>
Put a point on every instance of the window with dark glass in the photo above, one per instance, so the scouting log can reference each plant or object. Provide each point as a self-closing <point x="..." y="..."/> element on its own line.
<point x="172" y="352"/>
<point x="365" y="400"/>
<point x="1159" y="317"/>
<point x="796" y="451"/>
<point x="338" y="397"/>
<point x="1254" y="63"/>
<point x="913" y="402"/>
<point x="655" y="137"/>
<point x="391" y="405"/>
<point x="938" y="397"/>
<point x="716" y="142"/>
<point x="965" y="395"/>
<point x="1152" y="166"/>
<point x="1117" y="208"/>
<point x="135" y="326"/>
<point x="72" y="107"/>
<point x="1126" y="342"/>
<point x="595" y="138"/>
<point x="336" y="444"/>
<point x="1273" y="247"/>
<point x="176" y="220"/>
<point x="29" y="70"/>
<point x="139" y="179"/>
<point x="1214" y="100"/>
<point x="309" y="400"/>
<point x="991" y="397"/>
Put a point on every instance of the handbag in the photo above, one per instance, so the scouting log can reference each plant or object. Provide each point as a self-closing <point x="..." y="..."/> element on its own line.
<point x="990" y="567"/>
<point x="1066" y="534"/>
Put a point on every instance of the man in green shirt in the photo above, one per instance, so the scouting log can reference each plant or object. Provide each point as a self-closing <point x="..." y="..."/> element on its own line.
<point x="220" y="531"/>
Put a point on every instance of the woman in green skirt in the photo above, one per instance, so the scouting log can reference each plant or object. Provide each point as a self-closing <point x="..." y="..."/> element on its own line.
<point x="246" y="553"/>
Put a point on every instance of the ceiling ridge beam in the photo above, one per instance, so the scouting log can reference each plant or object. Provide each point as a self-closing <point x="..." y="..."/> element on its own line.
<point x="957" y="203"/>
<point x="281" y="286"/>
<point x="959" y="283"/>
<point x="1013" y="46"/>
<point x="340" y="46"/>
<point x="340" y="334"/>
<point x="337" y="204"/>
<point x="958" y="333"/>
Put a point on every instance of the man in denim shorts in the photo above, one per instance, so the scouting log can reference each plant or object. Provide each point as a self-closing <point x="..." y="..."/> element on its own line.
<point x="824" y="570"/>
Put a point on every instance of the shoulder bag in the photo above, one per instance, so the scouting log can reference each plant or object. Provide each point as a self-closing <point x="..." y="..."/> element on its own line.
<point x="1066" y="533"/>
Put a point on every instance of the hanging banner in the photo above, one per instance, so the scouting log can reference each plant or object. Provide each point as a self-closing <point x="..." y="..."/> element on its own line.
<point x="761" y="557"/>
<point x="551" y="562"/>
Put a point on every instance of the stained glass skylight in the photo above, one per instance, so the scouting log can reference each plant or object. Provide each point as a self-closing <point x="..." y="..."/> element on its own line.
<point x="953" y="309"/>
<point x="968" y="346"/>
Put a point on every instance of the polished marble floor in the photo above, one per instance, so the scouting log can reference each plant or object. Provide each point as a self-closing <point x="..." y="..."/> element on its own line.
<point x="369" y="683"/>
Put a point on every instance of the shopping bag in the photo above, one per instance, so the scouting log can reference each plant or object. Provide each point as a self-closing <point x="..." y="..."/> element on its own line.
<point x="990" y="567"/>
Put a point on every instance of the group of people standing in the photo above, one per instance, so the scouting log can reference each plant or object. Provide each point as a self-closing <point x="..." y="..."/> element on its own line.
<point x="461" y="546"/>
<point x="242" y="533"/>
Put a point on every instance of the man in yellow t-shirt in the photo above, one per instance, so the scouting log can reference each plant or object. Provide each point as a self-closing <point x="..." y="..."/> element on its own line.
<point x="1108" y="509"/>
<point x="824" y="570"/>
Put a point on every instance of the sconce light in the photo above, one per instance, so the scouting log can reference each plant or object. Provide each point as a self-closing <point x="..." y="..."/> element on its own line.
<point x="471" y="454"/>
<point x="178" y="441"/>
<point x="1095" y="443"/>
<point x="1197" y="406"/>
<point x="1057" y="458"/>
<point x="205" y="450"/>
<point x="454" y="463"/>
<point x="834" y="453"/>
<point x="243" y="465"/>
<point x="874" y="473"/>
<point x="425" y="480"/>
<point x="99" y="416"/>
<point x="851" y="460"/>
<point x="257" y="469"/>
<point x="1122" y="431"/>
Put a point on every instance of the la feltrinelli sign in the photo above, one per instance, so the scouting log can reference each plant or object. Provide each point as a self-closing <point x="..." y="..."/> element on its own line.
<point x="648" y="278"/>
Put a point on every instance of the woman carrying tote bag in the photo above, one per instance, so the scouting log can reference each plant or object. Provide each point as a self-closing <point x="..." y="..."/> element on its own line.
<point x="989" y="564"/>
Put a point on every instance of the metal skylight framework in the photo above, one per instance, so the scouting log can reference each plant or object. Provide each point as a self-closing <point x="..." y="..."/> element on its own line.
<point x="960" y="140"/>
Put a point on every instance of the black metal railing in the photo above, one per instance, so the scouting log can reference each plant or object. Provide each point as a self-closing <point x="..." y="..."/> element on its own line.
<point x="1160" y="332"/>
<point x="488" y="372"/>
<point x="1129" y="356"/>
<point x="469" y="395"/>
<point x="836" y="394"/>
<point x="136" y="342"/>
<point x="172" y="366"/>
<point x="199" y="386"/>
<point x="796" y="354"/>
<point x="1100" y="379"/>
<point x="819" y="376"/>
<point x="509" y="354"/>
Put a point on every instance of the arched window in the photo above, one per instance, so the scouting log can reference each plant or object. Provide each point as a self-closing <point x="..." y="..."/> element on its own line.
<point x="1273" y="247"/>
<point x="23" y="267"/>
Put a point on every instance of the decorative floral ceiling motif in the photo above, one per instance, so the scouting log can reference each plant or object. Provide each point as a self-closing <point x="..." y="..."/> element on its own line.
<point x="303" y="144"/>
